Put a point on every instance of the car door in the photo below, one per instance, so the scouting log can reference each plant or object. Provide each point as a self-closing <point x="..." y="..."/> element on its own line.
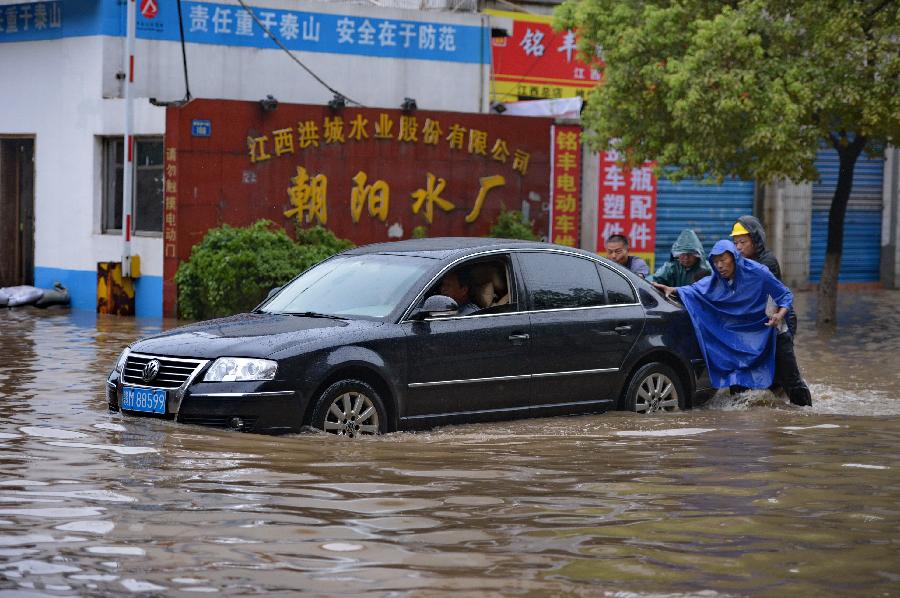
<point x="469" y="366"/>
<point x="579" y="339"/>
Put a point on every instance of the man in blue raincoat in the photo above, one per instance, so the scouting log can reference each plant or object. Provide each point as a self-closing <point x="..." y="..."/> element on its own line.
<point x="737" y="337"/>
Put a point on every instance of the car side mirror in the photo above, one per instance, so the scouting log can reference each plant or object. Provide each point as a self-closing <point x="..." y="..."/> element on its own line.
<point x="272" y="291"/>
<point x="436" y="306"/>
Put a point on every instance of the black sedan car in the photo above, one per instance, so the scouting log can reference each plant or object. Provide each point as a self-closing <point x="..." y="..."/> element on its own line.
<point x="412" y="334"/>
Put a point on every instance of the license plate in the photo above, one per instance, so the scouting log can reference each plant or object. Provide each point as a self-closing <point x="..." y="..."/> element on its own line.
<point x="148" y="400"/>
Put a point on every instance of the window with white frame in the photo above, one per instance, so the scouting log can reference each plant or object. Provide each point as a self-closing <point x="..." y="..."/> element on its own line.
<point x="147" y="196"/>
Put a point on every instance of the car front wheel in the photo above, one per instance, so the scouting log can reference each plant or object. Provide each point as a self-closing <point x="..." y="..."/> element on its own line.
<point x="350" y="408"/>
<point x="654" y="387"/>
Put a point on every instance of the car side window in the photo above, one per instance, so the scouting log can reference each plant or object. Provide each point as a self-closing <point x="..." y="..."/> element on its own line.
<point x="558" y="281"/>
<point x="618" y="291"/>
<point x="483" y="286"/>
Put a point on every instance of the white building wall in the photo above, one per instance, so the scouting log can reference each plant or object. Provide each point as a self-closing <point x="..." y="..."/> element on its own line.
<point x="66" y="93"/>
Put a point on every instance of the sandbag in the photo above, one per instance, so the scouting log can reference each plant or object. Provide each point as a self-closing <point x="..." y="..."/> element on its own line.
<point x="22" y="295"/>
<point x="58" y="295"/>
<point x="4" y="298"/>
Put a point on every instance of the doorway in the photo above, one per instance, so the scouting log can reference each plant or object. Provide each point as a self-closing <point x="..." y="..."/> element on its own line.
<point x="16" y="211"/>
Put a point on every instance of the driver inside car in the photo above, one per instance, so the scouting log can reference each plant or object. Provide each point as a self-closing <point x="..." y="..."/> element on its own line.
<point x="456" y="286"/>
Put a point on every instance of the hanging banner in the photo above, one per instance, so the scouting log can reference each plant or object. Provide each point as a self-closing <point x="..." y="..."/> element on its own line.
<point x="565" y="188"/>
<point x="535" y="62"/>
<point x="627" y="206"/>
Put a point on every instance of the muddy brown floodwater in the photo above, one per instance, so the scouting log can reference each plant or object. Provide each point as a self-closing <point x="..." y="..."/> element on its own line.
<point x="747" y="496"/>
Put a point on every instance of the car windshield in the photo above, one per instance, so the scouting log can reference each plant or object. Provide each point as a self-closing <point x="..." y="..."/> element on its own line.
<point x="368" y="286"/>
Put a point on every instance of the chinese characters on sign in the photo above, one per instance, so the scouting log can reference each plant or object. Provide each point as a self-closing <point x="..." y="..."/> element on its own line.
<point x="337" y="130"/>
<point x="308" y="192"/>
<point x="170" y="230"/>
<point x="231" y="25"/>
<point x="565" y="188"/>
<point x="627" y="205"/>
<point x="537" y="62"/>
<point x="36" y="20"/>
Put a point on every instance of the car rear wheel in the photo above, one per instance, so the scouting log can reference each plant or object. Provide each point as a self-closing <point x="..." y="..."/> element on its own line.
<point x="350" y="408"/>
<point x="654" y="387"/>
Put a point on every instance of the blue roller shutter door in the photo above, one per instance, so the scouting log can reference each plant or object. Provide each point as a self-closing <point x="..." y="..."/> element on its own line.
<point x="861" y="260"/>
<point x="710" y="210"/>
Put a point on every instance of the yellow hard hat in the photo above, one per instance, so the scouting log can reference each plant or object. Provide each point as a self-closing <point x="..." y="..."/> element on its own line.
<point x="738" y="229"/>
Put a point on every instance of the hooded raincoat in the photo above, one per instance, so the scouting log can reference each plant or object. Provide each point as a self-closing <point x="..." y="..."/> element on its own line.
<point x="672" y="273"/>
<point x="758" y="236"/>
<point x="729" y="318"/>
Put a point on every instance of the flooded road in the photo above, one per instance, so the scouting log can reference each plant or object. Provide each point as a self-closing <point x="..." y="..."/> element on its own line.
<point x="747" y="496"/>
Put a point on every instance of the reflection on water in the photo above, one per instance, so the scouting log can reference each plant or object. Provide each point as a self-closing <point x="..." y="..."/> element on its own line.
<point x="749" y="495"/>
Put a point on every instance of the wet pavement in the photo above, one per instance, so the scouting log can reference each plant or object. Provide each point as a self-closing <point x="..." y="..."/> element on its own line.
<point x="747" y="496"/>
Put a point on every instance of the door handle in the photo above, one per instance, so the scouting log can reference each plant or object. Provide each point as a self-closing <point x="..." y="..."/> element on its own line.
<point x="518" y="338"/>
<point x="623" y="329"/>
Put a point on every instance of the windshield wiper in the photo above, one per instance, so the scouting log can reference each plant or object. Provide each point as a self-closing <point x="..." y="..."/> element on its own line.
<point x="313" y="314"/>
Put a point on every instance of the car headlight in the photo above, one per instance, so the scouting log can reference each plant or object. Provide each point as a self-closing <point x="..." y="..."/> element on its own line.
<point x="120" y="365"/>
<point x="240" y="369"/>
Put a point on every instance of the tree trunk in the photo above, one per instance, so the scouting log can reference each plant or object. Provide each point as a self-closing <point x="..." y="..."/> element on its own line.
<point x="827" y="301"/>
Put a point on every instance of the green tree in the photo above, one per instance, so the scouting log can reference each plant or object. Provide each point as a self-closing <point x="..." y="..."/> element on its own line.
<point x="751" y="88"/>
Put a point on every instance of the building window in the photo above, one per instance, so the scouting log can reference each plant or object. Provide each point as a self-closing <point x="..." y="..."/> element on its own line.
<point x="147" y="197"/>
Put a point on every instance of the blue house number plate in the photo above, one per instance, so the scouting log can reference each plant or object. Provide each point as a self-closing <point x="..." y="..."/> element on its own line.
<point x="201" y="128"/>
<point x="148" y="400"/>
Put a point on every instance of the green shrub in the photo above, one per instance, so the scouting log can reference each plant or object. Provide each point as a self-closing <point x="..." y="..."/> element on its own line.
<point x="232" y="269"/>
<point x="420" y="232"/>
<point x="511" y="224"/>
<point x="321" y="236"/>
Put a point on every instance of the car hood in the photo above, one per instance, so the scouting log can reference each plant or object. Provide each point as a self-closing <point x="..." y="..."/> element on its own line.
<point x="248" y="335"/>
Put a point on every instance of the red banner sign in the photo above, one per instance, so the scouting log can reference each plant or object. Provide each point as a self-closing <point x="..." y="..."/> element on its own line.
<point x="367" y="174"/>
<point x="537" y="62"/>
<point x="565" y="188"/>
<point x="627" y="205"/>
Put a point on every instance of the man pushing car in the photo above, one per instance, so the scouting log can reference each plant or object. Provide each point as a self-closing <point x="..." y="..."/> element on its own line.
<point x="738" y="339"/>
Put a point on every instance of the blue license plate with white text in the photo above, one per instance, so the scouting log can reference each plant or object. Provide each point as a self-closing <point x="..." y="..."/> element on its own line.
<point x="147" y="400"/>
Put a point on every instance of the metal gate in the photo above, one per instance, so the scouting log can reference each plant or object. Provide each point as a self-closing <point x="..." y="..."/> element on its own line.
<point x="861" y="259"/>
<point x="710" y="210"/>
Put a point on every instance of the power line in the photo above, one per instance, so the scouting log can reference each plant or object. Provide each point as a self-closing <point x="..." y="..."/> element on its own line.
<point x="291" y="54"/>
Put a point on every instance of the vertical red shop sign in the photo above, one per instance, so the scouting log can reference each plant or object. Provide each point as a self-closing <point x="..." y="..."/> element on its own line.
<point x="627" y="205"/>
<point x="565" y="188"/>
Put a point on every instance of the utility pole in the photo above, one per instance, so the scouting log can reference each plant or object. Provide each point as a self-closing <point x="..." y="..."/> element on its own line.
<point x="128" y="166"/>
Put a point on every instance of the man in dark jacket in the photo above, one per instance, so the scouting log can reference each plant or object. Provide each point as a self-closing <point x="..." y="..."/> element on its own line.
<point x="749" y="237"/>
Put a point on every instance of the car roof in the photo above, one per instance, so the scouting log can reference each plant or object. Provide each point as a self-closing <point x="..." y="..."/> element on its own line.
<point x="444" y="247"/>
